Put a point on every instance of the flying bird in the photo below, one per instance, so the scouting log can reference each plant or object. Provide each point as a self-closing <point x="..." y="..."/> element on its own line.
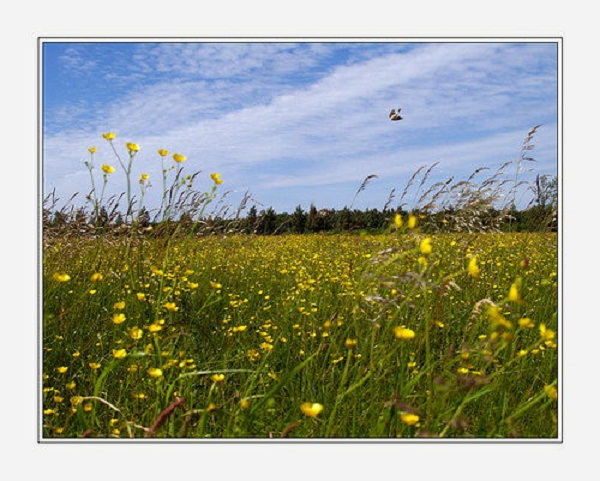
<point x="395" y="115"/>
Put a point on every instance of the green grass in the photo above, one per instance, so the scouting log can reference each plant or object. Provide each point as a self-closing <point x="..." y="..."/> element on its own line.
<point x="273" y="315"/>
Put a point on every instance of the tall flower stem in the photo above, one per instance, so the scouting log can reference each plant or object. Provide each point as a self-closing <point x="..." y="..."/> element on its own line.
<point x="94" y="198"/>
<point x="164" y="184"/>
<point x="132" y="149"/>
<point x="163" y="153"/>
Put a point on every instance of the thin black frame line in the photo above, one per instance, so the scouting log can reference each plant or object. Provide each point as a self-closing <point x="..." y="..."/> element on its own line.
<point x="560" y="153"/>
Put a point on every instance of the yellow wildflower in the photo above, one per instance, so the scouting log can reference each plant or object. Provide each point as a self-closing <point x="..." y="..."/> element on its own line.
<point x="119" y="305"/>
<point x="119" y="353"/>
<point x="311" y="410"/>
<point x="132" y="147"/>
<point x="404" y="333"/>
<point x="409" y="418"/>
<point x="551" y="392"/>
<point x="179" y="158"/>
<point x="398" y="221"/>
<point x="136" y="333"/>
<point x="92" y="150"/>
<point x="94" y="365"/>
<point x="495" y="315"/>
<point x="163" y="152"/>
<point x="473" y="268"/>
<point x="170" y="306"/>
<point x="216" y="178"/>
<point x="61" y="277"/>
<point x="155" y="372"/>
<point x="62" y="369"/>
<point x="412" y="221"/>
<point x="513" y="293"/>
<point x="96" y="277"/>
<point x="425" y="246"/>
<point x="351" y="343"/>
<point x="218" y="377"/>
<point x="526" y="322"/>
<point x="109" y="135"/>
<point x="141" y="296"/>
<point x="118" y="318"/>
<point x="155" y="327"/>
<point x="546" y="334"/>
<point x="107" y="169"/>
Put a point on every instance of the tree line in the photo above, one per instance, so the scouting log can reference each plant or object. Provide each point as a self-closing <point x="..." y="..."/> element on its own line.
<point x="266" y="221"/>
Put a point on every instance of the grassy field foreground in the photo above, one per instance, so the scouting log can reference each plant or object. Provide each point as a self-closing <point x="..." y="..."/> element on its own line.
<point x="312" y="336"/>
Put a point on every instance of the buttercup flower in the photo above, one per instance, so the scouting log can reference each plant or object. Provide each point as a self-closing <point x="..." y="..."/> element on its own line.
<point x="473" y="268"/>
<point x="92" y="150"/>
<point x="155" y="372"/>
<point x="132" y="147"/>
<point x="155" y="327"/>
<point x="216" y="178"/>
<point x="526" y="322"/>
<point x="409" y="418"/>
<point x="119" y="353"/>
<point x="96" y="277"/>
<point x="170" y="306"/>
<point x="163" y="152"/>
<point x="551" y="392"/>
<point x="404" y="333"/>
<point x="61" y="277"/>
<point x="412" y="221"/>
<point x="179" y="158"/>
<point x="398" y="221"/>
<point x="107" y="169"/>
<point x="218" y="377"/>
<point x="425" y="246"/>
<point x="546" y="334"/>
<point x="136" y="333"/>
<point x="513" y="294"/>
<point x="118" y="318"/>
<point x="311" y="410"/>
<point x="109" y="135"/>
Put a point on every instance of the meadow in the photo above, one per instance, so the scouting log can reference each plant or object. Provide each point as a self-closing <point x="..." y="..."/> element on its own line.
<point x="336" y="336"/>
<point x="173" y="330"/>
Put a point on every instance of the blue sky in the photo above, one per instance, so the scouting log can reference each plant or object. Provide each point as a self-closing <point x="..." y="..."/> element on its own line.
<point x="296" y="123"/>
